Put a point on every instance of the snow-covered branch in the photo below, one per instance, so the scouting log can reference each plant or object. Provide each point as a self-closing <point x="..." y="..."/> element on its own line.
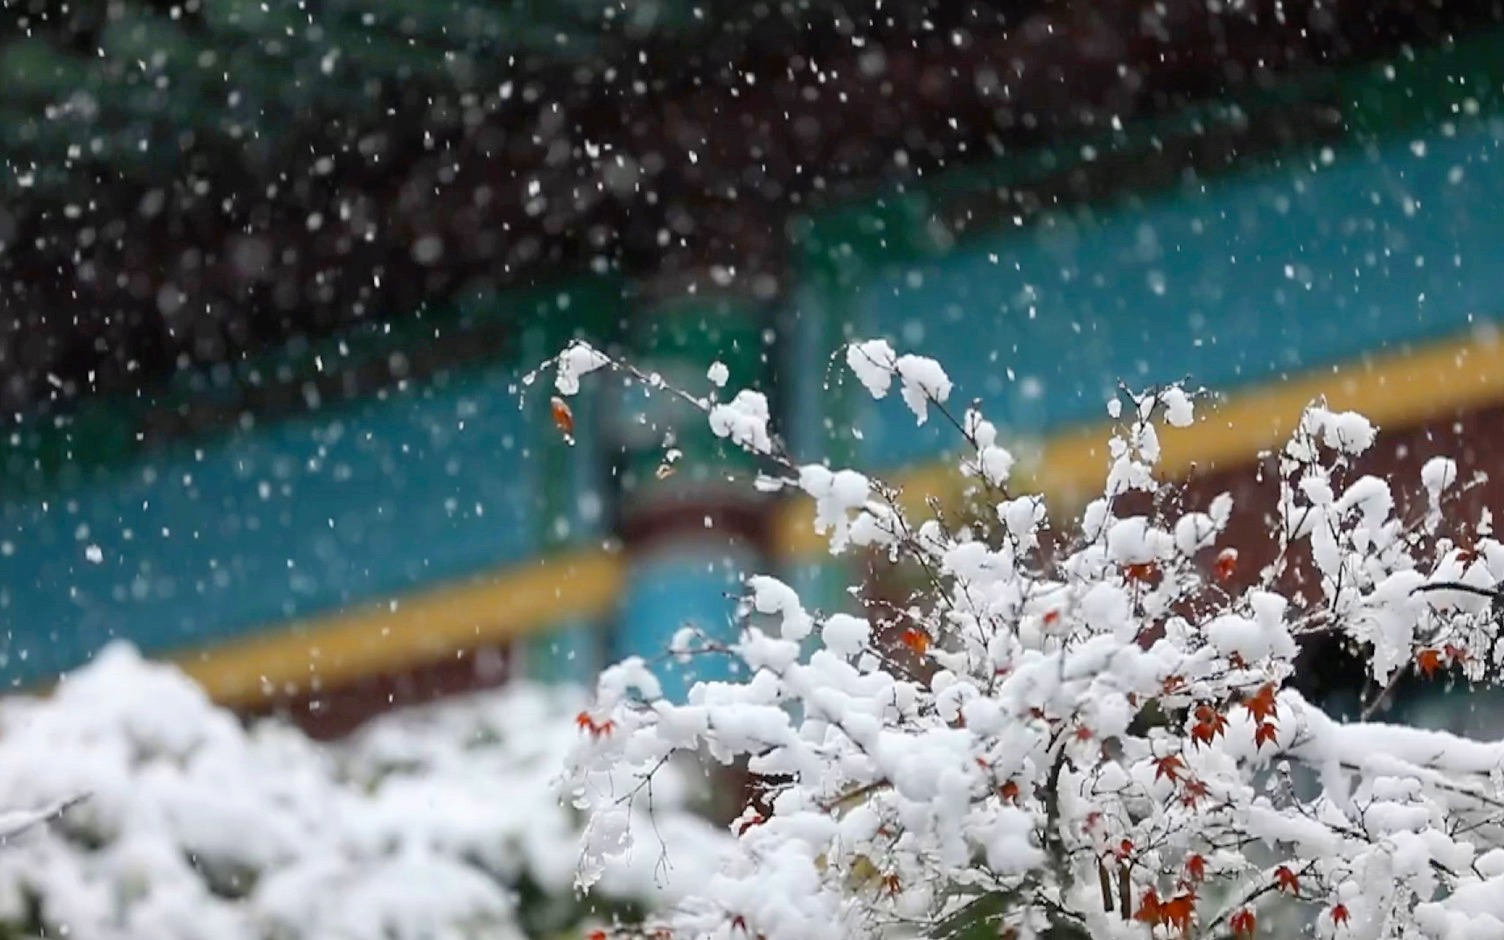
<point x="1102" y="742"/>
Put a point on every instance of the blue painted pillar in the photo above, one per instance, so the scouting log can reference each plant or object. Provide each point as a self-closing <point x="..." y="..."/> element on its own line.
<point x="573" y="500"/>
<point x="821" y="406"/>
<point x="689" y="534"/>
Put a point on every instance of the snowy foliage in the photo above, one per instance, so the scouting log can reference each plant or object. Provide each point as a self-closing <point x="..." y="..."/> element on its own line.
<point x="1086" y="729"/>
<point x="437" y="824"/>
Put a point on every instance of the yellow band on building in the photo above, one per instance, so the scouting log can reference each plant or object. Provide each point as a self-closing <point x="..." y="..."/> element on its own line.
<point x="1395" y="389"/>
<point x="423" y="627"/>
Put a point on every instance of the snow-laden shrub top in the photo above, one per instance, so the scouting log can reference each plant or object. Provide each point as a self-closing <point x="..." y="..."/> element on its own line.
<point x="1089" y="732"/>
<point x="440" y="823"/>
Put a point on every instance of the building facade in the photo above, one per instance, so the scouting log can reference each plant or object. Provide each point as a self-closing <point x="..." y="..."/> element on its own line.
<point x="388" y="513"/>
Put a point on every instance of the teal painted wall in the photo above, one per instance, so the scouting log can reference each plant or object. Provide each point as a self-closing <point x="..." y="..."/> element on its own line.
<point x="222" y="533"/>
<point x="1239" y="281"/>
<point x="301" y="517"/>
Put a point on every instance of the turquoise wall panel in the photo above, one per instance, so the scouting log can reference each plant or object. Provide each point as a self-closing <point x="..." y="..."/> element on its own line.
<point x="691" y="585"/>
<point x="1243" y="280"/>
<point x="297" y="518"/>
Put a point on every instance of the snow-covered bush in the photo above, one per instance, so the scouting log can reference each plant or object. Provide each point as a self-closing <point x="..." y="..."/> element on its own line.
<point x="441" y="823"/>
<point x="1088" y="728"/>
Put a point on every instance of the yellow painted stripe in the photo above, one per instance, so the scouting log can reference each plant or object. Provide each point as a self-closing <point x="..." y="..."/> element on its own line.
<point x="1392" y="389"/>
<point x="334" y="650"/>
<point x="1396" y="390"/>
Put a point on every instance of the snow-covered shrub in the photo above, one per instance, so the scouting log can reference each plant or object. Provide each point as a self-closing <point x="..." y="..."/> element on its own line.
<point x="437" y="824"/>
<point x="1088" y="728"/>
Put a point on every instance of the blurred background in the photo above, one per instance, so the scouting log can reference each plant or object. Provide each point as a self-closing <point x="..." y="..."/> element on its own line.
<point x="271" y="273"/>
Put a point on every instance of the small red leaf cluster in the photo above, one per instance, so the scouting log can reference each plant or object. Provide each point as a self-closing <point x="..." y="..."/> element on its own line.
<point x="1141" y="573"/>
<point x="1195" y="868"/>
<point x="1428" y="661"/>
<point x="916" y="640"/>
<point x="585" y="722"/>
<point x="1262" y="708"/>
<point x="1226" y="565"/>
<point x="1170" y="766"/>
<point x="1209" y="724"/>
<point x="563" y="416"/>
<point x="1193" y="792"/>
<point x="1286" y="880"/>
<point x="1177" y="913"/>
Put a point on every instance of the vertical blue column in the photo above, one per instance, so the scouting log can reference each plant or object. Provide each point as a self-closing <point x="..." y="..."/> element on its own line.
<point x="684" y="582"/>
<point x="819" y="403"/>
<point x="573" y="511"/>
<point x="690" y="535"/>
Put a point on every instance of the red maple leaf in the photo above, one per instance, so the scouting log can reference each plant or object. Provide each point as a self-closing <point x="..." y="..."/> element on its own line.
<point x="596" y="935"/>
<point x="1195" y="868"/>
<point x="1009" y="791"/>
<point x="1286" y="881"/>
<point x="584" y="722"/>
<point x="1339" y="914"/>
<point x="1194" y="792"/>
<point x="563" y="416"/>
<point x="1083" y="733"/>
<point x="1226" y="565"/>
<point x="1149" y="909"/>
<point x="1455" y="654"/>
<point x="1209" y="724"/>
<point x="1428" y="661"/>
<point x="1243" y="924"/>
<point x="1264" y="733"/>
<point x="756" y="819"/>
<point x="916" y="640"/>
<point x="1178" y="912"/>
<point x="1051" y="617"/>
<point x="1169" y="766"/>
<point x="1261" y="703"/>
<point x="1125" y="849"/>
<point x="1142" y="572"/>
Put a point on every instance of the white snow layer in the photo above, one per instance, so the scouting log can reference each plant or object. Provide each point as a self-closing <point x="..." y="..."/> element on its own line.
<point x="196" y="827"/>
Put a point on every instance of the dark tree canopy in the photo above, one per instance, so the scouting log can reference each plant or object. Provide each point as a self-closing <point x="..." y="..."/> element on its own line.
<point x="184" y="183"/>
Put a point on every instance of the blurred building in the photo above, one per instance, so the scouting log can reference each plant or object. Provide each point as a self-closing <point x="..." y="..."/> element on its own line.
<point x="271" y="276"/>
